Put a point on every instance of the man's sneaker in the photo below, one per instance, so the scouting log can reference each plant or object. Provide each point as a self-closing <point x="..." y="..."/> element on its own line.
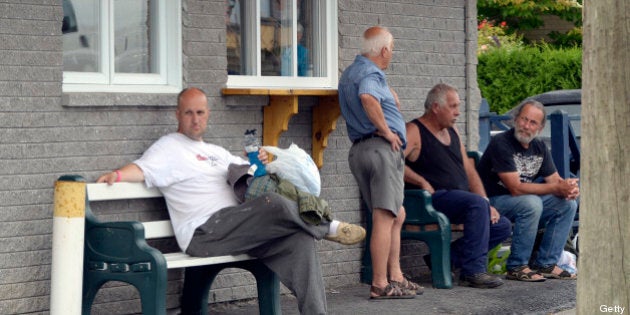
<point x="347" y="234"/>
<point x="480" y="280"/>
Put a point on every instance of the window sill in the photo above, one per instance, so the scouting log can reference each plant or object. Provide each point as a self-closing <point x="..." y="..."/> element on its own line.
<point x="283" y="104"/>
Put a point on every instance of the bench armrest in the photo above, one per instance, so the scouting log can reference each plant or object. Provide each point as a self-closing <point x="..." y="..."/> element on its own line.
<point x="419" y="210"/>
<point x="119" y="247"/>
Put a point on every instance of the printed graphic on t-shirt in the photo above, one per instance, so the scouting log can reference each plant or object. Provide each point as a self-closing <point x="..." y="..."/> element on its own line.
<point x="212" y="160"/>
<point x="527" y="166"/>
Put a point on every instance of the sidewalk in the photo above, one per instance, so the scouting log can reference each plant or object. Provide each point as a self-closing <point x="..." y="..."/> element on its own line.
<point x="514" y="297"/>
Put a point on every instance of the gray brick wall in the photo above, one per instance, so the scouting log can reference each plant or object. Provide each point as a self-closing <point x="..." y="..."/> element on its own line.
<point x="46" y="133"/>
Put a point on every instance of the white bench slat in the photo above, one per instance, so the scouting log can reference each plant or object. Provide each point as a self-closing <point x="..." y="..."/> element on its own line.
<point x="181" y="260"/>
<point x="119" y="191"/>
<point x="158" y="229"/>
<point x="155" y="229"/>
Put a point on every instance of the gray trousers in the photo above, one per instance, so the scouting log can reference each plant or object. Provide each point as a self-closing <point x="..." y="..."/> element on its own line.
<point x="269" y="228"/>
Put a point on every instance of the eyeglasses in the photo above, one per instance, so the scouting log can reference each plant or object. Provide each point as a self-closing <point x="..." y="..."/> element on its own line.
<point x="526" y="121"/>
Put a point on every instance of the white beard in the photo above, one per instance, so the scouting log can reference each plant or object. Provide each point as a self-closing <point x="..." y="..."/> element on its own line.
<point x="524" y="139"/>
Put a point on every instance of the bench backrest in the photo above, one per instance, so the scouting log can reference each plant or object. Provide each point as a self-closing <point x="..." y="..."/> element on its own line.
<point x="122" y="191"/>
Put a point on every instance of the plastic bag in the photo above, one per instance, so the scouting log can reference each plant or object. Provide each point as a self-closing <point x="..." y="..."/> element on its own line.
<point x="568" y="262"/>
<point x="296" y="166"/>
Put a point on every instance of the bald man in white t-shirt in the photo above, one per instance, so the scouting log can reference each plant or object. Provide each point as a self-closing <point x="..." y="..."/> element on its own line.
<point x="208" y="219"/>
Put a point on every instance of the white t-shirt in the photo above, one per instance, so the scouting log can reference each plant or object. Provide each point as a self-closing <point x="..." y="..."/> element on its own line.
<point x="192" y="175"/>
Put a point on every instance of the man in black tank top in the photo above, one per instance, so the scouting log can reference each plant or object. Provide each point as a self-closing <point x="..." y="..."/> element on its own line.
<point x="435" y="161"/>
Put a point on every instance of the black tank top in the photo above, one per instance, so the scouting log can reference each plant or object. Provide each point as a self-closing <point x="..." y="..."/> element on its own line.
<point x="441" y="165"/>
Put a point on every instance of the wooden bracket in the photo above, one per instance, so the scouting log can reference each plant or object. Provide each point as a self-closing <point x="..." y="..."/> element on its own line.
<point x="276" y="117"/>
<point x="283" y="104"/>
<point x="325" y="116"/>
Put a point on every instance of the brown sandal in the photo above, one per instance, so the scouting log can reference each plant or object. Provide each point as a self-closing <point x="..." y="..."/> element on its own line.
<point x="390" y="292"/>
<point x="409" y="286"/>
<point x="564" y="275"/>
<point x="520" y="275"/>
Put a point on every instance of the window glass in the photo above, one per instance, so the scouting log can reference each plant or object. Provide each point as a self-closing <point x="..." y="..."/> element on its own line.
<point x="122" y="45"/>
<point x="81" y="39"/>
<point x="132" y="37"/>
<point x="276" y="39"/>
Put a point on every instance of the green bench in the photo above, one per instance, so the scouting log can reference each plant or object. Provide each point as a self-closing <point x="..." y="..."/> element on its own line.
<point x="118" y="251"/>
<point x="423" y="223"/>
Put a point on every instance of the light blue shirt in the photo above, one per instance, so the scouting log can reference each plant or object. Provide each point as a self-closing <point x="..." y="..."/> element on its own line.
<point x="364" y="77"/>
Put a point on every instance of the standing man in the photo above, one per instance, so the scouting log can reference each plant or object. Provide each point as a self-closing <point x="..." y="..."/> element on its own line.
<point x="209" y="221"/>
<point x="436" y="161"/>
<point x="509" y="169"/>
<point x="377" y="130"/>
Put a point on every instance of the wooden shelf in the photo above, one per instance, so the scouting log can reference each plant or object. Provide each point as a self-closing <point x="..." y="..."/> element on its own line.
<point x="283" y="104"/>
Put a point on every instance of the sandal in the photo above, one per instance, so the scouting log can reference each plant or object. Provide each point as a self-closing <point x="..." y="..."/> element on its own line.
<point x="519" y="274"/>
<point x="547" y="272"/>
<point x="390" y="292"/>
<point x="409" y="286"/>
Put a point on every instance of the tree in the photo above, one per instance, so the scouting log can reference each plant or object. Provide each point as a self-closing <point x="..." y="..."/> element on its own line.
<point x="523" y="15"/>
<point x="526" y="14"/>
<point x="604" y="263"/>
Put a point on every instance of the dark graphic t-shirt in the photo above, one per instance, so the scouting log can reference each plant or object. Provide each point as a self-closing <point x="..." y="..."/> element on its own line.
<point x="505" y="154"/>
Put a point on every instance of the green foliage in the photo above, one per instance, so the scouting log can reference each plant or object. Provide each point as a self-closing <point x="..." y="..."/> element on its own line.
<point x="507" y="76"/>
<point x="572" y="38"/>
<point x="522" y="15"/>
<point x="525" y="14"/>
<point x="491" y="37"/>
<point x="497" y="259"/>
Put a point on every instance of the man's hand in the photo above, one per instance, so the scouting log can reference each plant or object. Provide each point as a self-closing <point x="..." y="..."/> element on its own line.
<point x="428" y="188"/>
<point x="263" y="156"/>
<point x="567" y="188"/>
<point x="494" y="215"/>
<point x="575" y="191"/>
<point x="393" y="138"/>
<point x="108" y="178"/>
<point x="128" y="173"/>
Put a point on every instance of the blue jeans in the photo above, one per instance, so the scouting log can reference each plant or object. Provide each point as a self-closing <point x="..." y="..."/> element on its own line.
<point x="470" y="252"/>
<point x="530" y="213"/>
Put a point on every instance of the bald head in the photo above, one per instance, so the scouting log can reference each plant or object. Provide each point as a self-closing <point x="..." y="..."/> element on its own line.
<point x="192" y="113"/>
<point x="374" y="39"/>
<point x="190" y="93"/>
<point x="378" y="46"/>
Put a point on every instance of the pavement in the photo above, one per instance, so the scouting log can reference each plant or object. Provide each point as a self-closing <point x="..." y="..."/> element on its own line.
<point x="514" y="297"/>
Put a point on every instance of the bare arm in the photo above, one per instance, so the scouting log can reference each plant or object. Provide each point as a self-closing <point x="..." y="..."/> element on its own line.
<point x="416" y="179"/>
<point x="412" y="153"/>
<point x="128" y="173"/>
<point x="374" y="112"/>
<point x="395" y="97"/>
<point x="474" y="181"/>
<point x="554" y="184"/>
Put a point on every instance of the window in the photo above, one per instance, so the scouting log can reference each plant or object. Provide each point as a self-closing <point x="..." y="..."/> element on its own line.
<point x="121" y="46"/>
<point x="281" y="43"/>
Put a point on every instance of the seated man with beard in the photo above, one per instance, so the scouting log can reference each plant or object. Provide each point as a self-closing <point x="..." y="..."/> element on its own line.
<point x="509" y="169"/>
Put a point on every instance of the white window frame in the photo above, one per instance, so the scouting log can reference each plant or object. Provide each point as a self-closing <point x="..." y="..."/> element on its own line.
<point x="169" y="50"/>
<point x="331" y="57"/>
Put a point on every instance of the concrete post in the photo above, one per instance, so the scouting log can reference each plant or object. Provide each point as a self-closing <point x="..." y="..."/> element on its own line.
<point x="67" y="248"/>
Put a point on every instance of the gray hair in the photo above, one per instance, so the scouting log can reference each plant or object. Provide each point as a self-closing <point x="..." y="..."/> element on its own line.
<point x="372" y="45"/>
<point x="535" y="104"/>
<point x="437" y="94"/>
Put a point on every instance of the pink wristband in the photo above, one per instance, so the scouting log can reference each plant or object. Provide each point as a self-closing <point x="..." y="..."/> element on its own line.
<point x="118" y="177"/>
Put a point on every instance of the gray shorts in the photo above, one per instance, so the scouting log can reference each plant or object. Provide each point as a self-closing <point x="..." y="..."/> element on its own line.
<point x="379" y="173"/>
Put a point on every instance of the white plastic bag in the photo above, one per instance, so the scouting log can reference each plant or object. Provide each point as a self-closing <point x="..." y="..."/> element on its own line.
<point x="568" y="262"/>
<point x="296" y="166"/>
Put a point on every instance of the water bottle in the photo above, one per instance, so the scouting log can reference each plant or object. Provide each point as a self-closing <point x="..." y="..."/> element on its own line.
<point x="251" y="145"/>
